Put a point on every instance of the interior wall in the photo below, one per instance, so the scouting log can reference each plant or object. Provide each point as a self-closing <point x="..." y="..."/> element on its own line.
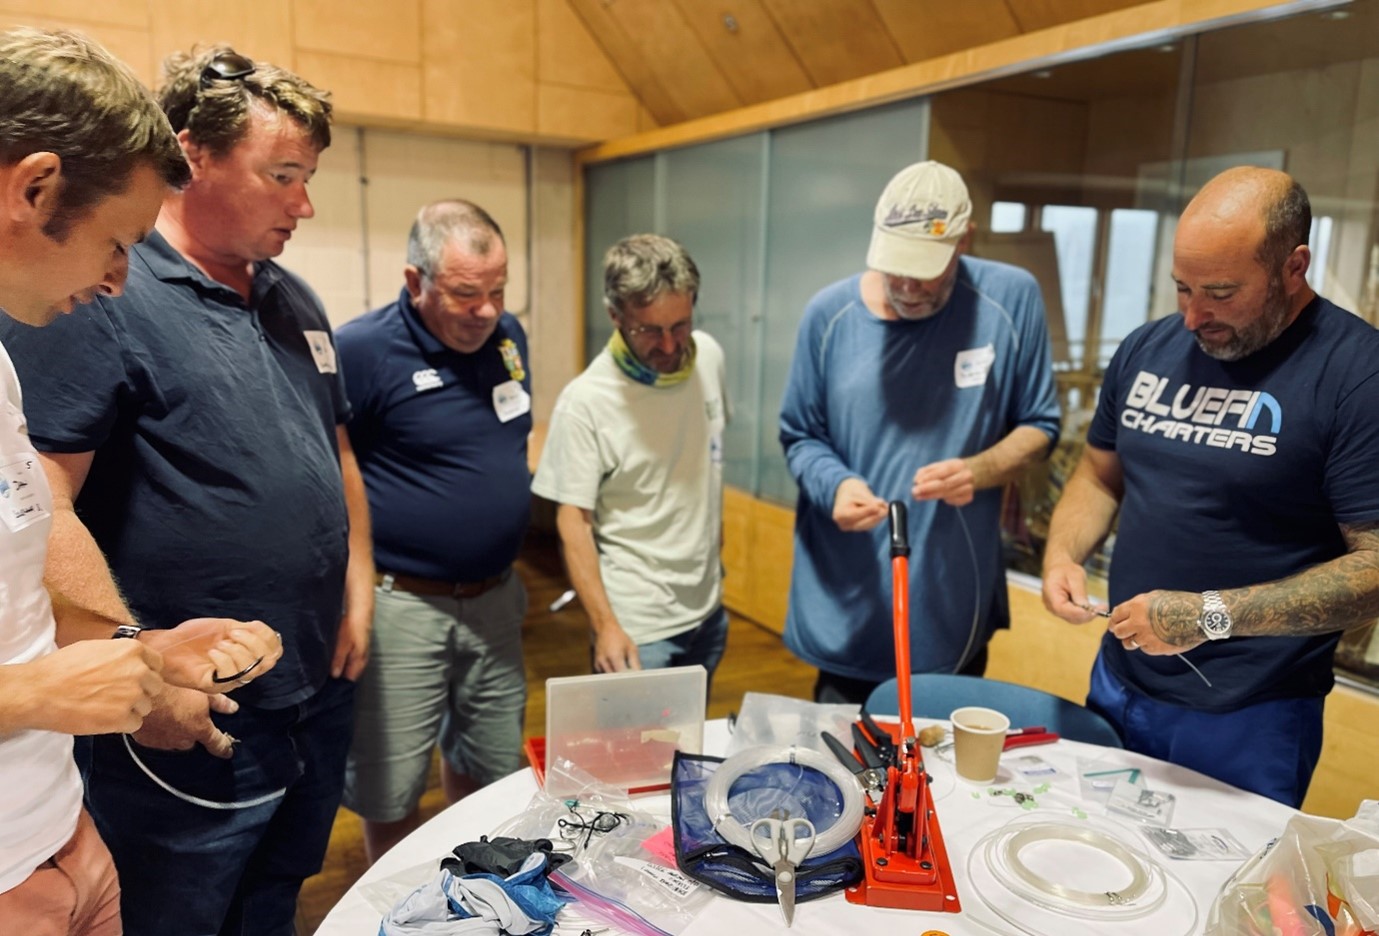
<point x="522" y="69"/>
<point x="366" y="194"/>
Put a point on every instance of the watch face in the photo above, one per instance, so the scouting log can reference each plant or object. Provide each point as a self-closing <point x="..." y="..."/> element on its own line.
<point x="1216" y="622"/>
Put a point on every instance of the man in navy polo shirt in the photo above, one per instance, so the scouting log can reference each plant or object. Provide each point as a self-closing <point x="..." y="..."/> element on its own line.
<point x="441" y="399"/>
<point x="192" y="431"/>
<point x="1238" y="445"/>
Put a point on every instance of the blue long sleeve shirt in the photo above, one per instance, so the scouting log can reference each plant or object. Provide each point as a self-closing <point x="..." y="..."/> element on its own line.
<point x="879" y="399"/>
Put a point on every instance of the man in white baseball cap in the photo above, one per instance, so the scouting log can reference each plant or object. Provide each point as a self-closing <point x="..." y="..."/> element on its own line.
<point x="926" y="378"/>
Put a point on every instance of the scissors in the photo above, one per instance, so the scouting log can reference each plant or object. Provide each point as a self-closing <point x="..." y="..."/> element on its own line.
<point x="780" y="844"/>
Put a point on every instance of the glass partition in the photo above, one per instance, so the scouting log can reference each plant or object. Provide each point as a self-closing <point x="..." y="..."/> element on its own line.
<point x="1077" y="173"/>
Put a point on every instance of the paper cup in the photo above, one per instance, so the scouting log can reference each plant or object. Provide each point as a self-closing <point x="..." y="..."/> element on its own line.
<point x="979" y="735"/>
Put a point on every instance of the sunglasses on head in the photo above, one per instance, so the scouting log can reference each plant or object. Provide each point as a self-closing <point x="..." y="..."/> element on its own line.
<point x="227" y="66"/>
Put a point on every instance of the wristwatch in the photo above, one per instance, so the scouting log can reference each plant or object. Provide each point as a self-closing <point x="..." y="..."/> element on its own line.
<point x="127" y="630"/>
<point x="1215" y="619"/>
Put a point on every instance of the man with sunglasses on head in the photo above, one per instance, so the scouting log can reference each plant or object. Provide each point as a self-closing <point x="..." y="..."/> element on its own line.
<point x="925" y="379"/>
<point x="441" y="401"/>
<point x="86" y="158"/>
<point x="194" y="440"/>
<point x="634" y="459"/>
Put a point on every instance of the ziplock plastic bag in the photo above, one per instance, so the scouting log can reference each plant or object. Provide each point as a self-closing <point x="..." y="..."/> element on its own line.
<point x="1319" y="878"/>
<point x="603" y="833"/>
<point x="767" y="720"/>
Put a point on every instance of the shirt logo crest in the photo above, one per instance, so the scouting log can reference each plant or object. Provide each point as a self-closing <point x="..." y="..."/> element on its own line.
<point x="426" y="379"/>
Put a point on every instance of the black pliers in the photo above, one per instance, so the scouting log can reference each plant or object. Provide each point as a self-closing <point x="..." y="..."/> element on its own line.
<point x="871" y="776"/>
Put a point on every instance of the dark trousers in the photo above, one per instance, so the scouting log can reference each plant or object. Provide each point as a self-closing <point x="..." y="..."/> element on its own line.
<point x="191" y="870"/>
<point x="1270" y="748"/>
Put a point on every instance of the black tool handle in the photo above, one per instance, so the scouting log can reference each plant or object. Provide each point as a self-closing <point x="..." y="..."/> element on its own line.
<point x="884" y="745"/>
<point x="842" y="752"/>
<point x="866" y="749"/>
<point x="900" y="530"/>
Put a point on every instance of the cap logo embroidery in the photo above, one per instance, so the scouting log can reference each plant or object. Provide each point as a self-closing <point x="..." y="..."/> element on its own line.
<point x="932" y="218"/>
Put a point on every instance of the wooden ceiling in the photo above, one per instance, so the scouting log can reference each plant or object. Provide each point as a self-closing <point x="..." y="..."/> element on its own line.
<point x="692" y="58"/>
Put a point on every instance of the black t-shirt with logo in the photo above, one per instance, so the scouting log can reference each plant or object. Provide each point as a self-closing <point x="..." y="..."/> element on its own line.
<point x="1238" y="473"/>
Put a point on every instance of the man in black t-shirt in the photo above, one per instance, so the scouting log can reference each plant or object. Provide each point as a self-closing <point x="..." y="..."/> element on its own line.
<point x="1237" y="444"/>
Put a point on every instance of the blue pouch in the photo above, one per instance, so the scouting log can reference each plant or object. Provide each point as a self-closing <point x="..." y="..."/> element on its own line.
<point x="797" y="790"/>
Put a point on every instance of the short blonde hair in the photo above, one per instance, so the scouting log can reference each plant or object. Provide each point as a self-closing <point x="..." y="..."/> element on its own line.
<point x="62" y="93"/>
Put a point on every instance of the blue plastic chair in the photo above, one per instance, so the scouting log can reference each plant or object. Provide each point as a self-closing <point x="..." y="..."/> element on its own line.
<point x="936" y="695"/>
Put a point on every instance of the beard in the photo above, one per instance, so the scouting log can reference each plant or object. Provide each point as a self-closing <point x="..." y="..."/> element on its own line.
<point x="1244" y="341"/>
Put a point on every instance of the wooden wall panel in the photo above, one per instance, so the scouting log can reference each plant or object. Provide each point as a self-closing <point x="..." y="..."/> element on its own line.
<point x="754" y="56"/>
<point x="479" y="64"/>
<point x="836" y="41"/>
<point x="365" y="89"/>
<point x="132" y="14"/>
<point x="1033" y="15"/>
<point x="668" y="46"/>
<point x="260" y="29"/>
<point x="1168" y="19"/>
<point x="575" y="114"/>
<point x="132" y="46"/>
<point x="926" y="28"/>
<point x="1350" y="755"/>
<point x="567" y="54"/>
<point x="626" y="54"/>
<point x="389" y="31"/>
<point x="737" y="549"/>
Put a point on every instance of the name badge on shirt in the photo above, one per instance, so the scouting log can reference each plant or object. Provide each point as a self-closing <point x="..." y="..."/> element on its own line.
<point x="971" y="366"/>
<point x="21" y="494"/>
<point x="510" y="400"/>
<point x="322" y="349"/>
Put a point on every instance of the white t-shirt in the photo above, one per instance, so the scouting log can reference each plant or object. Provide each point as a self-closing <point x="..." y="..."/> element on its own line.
<point x="648" y="462"/>
<point x="40" y="790"/>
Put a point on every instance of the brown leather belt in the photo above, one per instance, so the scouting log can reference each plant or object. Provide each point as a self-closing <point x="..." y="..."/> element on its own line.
<point x="421" y="586"/>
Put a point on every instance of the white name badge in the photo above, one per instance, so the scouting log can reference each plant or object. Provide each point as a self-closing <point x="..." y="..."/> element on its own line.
<point x="971" y="366"/>
<point x="22" y="493"/>
<point x="322" y="349"/>
<point x="510" y="401"/>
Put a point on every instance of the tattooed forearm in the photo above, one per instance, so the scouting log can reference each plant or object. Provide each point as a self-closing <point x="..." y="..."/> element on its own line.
<point x="1173" y="616"/>
<point x="1333" y="596"/>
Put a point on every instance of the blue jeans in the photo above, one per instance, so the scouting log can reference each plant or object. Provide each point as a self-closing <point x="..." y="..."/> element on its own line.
<point x="1270" y="748"/>
<point x="190" y="870"/>
<point x="703" y="645"/>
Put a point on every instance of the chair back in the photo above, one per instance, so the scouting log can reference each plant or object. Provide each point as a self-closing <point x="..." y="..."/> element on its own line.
<point x="936" y="695"/>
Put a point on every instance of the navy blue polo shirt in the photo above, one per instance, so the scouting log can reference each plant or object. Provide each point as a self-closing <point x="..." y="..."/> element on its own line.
<point x="1238" y="473"/>
<point x="448" y="482"/>
<point x="215" y="488"/>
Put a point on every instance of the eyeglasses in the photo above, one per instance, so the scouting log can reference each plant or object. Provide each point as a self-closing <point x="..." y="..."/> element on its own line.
<point x="581" y="825"/>
<point x="679" y="331"/>
<point x="227" y="66"/>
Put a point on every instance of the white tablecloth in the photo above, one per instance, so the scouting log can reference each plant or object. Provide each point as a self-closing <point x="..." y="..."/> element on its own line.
<point x="965" y="813"/>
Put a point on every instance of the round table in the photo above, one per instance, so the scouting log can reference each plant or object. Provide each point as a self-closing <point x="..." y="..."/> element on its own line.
<point x="965" y="813"/>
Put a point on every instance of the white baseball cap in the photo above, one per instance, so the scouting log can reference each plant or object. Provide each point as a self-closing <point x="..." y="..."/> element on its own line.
<point x="922" y="215"/>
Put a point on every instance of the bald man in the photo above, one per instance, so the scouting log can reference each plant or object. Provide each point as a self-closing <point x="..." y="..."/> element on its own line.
<point x="1238" y="444"/>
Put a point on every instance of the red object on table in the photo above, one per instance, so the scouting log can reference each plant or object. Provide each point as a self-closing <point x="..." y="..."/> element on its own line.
<point x="905" y="862"/>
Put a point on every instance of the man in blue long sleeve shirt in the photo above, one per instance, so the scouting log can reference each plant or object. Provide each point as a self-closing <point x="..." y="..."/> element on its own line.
<point x="928" y="377"/>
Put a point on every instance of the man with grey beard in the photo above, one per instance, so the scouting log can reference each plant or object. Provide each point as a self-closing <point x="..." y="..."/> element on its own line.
<point x="1238" y="446"/>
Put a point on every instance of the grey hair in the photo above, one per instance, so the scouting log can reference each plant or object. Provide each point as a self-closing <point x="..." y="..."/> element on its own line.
<point x="638" y="270"/>
<point x="441" y="222"/>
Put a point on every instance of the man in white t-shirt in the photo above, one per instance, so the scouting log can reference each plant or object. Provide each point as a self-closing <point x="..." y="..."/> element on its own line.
<point x="86" y="158"/>
<point x="634" y="459"/>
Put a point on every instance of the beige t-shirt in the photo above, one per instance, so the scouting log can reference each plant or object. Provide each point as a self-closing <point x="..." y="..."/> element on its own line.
<point x="40" y="790"/>
<point x="648" y="463"/>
